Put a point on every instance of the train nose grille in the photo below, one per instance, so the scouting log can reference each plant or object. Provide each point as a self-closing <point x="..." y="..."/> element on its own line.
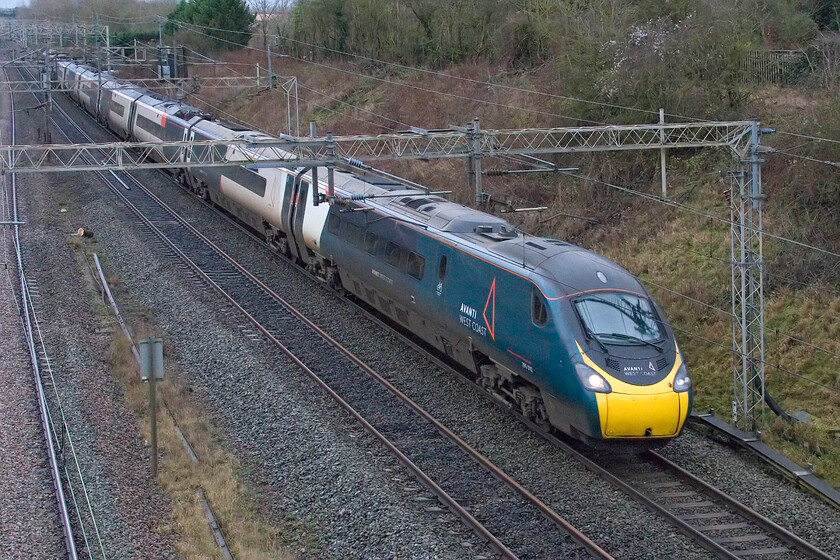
<point x="661" y="363"/>
<point x="612" y="363"/>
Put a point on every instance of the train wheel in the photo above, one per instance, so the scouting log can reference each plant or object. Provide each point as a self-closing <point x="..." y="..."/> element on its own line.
<point x="202" y="191"/>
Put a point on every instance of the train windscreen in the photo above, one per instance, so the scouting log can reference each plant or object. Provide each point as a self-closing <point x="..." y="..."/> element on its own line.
<point x="619" y="317"/>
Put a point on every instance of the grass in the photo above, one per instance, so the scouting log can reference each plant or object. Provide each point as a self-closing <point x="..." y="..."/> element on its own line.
<point x="248" y="534"/>
<point x="683" y="257"/>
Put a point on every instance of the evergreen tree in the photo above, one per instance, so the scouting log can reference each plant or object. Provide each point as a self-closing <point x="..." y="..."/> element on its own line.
<point x="226" y="22"/>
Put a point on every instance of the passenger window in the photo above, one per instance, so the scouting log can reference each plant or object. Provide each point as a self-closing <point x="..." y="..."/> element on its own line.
<point x="370" y="242"/>
<point x="392" y="254"/>
<point x="334" y="224"/>
<point x="416" y="265"/>
<point x="442" y="268"/>
<point x="354" y="234"/>
<point x="539" y="313"/>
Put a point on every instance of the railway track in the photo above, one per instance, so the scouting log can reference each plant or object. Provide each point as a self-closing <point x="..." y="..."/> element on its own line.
<point x="720" y="523"/>
<point x="38" y="361"/>
<point x="709" y="517"/>
<point x="514" y="522"/>
<point x="714" y="520"/>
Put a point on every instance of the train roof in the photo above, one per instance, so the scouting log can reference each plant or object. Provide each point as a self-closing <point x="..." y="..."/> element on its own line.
<point x="572" y="268"/>
<point x="170" y="106"/>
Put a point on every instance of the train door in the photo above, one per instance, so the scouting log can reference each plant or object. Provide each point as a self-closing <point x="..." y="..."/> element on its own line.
<point x="292" y="212"/>
<point x="187" y="153"/>
<point x="186" y="156"/>
<point x="129" y="123"/>
<point x="443" y="337"/>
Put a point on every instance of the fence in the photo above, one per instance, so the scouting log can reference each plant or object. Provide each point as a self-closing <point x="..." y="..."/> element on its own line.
<point x="781" y="68"/>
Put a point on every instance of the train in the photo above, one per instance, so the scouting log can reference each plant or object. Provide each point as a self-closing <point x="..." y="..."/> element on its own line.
<point x="566" y="337"/>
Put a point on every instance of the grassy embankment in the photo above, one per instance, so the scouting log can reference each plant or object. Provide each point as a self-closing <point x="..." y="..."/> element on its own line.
<point x="682" y="255"/>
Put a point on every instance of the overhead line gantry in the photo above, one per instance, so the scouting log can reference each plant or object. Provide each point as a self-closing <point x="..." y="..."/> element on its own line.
<point x="742" y="138"/>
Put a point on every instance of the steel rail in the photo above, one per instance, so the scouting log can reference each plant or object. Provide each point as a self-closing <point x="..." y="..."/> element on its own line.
<point x="65" y="430"/>
<point x="685" y="528"/>
<point x="681" y="525"/>
<point x="450" y="502"/>
<point x="768" y="525"/>
<point x="442" y="495"/>
<point x="573" y="532"/>
<point x="573" y="140"/>
<point x="27" y="311"/>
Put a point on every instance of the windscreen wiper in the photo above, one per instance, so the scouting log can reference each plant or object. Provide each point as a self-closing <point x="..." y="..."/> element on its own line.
<point x="590" y="335"/>
<point x="622" y="336"/>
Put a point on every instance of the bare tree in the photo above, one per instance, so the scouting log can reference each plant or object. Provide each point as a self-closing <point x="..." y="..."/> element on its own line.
<point x="269" y="13"/>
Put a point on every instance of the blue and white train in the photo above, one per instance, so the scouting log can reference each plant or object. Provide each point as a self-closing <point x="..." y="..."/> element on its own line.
<point x="571" y="339"/>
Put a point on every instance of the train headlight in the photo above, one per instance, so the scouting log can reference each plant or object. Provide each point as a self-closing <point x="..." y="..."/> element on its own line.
<point x="682" y="381"/>
<point x="591" y="379"/>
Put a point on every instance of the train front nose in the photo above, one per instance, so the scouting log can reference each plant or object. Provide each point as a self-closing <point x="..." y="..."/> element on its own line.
<point x="637" y="416"/>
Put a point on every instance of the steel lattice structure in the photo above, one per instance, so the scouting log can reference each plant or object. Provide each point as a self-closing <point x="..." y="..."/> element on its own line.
<point x="747" y="289"/>
<point x="741" y="137"/>
<point x="382" y="147"/>
<point x="194" y="84"/>
<point x="55" y="33"/>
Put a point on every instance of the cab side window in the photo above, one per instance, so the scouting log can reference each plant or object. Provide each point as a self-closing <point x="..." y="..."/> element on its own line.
<point x="371" y="240"/>
<point x="354" y="234"/>
<point x="334" y="224"/>
<point x="539" y="312"/>
<point x="392" y="254"/>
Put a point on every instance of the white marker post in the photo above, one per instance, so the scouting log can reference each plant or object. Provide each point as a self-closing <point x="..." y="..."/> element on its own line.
<point x="151" y="370"/>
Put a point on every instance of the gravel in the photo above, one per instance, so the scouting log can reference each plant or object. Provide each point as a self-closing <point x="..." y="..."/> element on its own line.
<point x="132" y="515"/>
<point x="301" y="455"/>
<point x="28" y="510"/>
<point x="590" y="504"/>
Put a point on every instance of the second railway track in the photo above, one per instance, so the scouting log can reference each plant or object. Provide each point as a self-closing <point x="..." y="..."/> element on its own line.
<point x="513" y="521"/>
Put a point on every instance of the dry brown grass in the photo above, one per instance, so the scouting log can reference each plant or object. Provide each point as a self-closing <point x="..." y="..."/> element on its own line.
<point x="247" y="534"/>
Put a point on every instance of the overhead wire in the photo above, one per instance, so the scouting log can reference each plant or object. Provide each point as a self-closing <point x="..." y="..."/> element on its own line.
<point x="477" y="82"/>
<point x="694" y="300"/>
<point x="808" y="136"/>
<point x="356" y="107"/>
<point x="623" y="189"/>
<point x="763" y="362"/>
<point x="503" y="86"/>
<point x="339" y="101"/>
<point x="650" y="197"/>
<point x="835" y="164"/>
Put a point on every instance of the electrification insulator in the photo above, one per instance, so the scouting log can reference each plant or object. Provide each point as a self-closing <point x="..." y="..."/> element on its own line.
<point x="727" y="194"/>
<point x="356" y="197"/>
<point x="494" y="172"/>
<point x="355" y="162"/>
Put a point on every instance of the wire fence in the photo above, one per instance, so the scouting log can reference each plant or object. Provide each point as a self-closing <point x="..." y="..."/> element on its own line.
<point x="777" y="67"/>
